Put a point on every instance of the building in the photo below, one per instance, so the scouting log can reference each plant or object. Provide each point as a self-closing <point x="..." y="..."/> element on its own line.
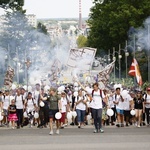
<point x="32" y="20"/>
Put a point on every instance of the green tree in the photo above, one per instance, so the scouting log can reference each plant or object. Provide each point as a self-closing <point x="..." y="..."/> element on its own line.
<point x="42" y="28"/>
<point x="14" y="5"/>
<point x="81" y="41"/>
<point x="110" y="21"/>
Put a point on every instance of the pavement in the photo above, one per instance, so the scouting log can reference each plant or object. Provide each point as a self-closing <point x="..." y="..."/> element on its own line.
<point x="72" y="138"/>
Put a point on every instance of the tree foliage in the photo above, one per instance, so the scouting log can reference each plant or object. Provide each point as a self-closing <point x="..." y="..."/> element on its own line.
<point x="42" y="28"/>
<point x="110" y="21"/>
<point x="81" y="41"/>
<point x="14" y="5"/>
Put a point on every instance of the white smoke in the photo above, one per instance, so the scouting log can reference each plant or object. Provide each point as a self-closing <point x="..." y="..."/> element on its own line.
<point x="143" y="35"/>
<point x="27" y="42"/>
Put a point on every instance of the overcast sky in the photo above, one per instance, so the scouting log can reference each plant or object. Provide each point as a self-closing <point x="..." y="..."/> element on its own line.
<point x="56" y="8"/>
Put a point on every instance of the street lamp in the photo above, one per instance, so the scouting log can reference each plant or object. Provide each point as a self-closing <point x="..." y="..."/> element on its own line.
<point x="28" y="63"/>
<point x="114" y="59"/>
<point x="126" y="55"/>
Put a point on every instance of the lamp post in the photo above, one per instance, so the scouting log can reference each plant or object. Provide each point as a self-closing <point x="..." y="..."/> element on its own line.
<point x="119" y="57"/>
<point x="28" y="63"/>
<point x="114" y="59"/>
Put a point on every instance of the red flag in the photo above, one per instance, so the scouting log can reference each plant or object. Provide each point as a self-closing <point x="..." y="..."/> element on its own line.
<point x="135" y="71"/>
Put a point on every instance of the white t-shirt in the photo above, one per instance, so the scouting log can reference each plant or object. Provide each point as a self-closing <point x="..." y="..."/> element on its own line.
<point x="36" y="96"/>
<point x="6" y="102"/>
<point x="96" y="100"/>
<point x="117" y="98"/>
<point x="110" y="102"/>
<point x="126" y="103"/>
<point x="64" y="104"/>
<point x="30" y="104"/>
<point x="19" y="101"/>
<point x="147" y="99"/>
<point x="80" y="106"/>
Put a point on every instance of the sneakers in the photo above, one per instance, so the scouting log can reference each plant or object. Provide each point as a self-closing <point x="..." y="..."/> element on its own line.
<point x="18" y="127"/>
<point x="72" y="124"/>
<point x="138" y="126"/>
<point x="101" y="131"/>
<point x="95" y="131"/>
<point x="117" y="125"/>
<point x="57" y="131"/>
<point x="122" y="125"/>
<point x="51" y="132"/>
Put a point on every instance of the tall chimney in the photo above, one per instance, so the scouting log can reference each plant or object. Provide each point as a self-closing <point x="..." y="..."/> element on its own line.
<point x="80" y="15"/>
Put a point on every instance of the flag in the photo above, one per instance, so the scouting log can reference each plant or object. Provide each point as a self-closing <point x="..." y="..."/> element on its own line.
<point x="104" y="74"/>
<point x="135" y="71"/>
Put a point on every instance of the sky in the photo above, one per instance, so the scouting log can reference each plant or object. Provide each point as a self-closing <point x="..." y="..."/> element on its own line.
<point x="57" y="8"/>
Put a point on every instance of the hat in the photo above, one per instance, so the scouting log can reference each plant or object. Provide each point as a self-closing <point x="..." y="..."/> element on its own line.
<point x="148" y="89"/>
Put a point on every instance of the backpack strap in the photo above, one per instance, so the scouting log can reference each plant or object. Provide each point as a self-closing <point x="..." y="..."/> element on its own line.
<point x="100" y="91"/>
<point x="32" y="101"/>
<point x="21" y="97"/>
<point x="145" y="97"/>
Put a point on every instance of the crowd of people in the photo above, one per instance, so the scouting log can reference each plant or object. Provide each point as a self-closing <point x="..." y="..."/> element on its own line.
<point x="19" y="108"/>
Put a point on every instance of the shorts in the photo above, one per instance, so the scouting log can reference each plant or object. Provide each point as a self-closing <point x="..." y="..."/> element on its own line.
<point x="127" y="113"/>
<point x="62" y="119"/>
<point x="120" y="111"/>
<point x="5" y="111"/>
<point x="52" y="113"/>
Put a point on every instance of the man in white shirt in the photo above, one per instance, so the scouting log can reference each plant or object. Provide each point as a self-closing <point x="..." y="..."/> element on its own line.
<point x="127" y="104"/>
<point x="147" y="105"/>
<point x="96" y="99"/>
<point x="19" y="108"/>
<point x="118" y="101"/>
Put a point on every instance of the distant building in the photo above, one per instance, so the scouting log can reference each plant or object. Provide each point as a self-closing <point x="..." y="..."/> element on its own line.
<point x="32" y="20"/>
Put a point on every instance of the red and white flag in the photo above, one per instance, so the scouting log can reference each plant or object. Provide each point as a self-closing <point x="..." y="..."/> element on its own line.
<point x="135" y="71"/>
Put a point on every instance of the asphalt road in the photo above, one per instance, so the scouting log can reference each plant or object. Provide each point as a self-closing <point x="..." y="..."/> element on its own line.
<point x="72" y="138"/>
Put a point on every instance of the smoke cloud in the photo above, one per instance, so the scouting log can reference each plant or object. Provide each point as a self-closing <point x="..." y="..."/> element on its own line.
<point x="143" y="35"/>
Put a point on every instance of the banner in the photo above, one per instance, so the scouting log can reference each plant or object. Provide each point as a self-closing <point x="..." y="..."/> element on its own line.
<point x="104" y="75"/>
<point x="81" y="58"/>
<point x="8" y="80"/>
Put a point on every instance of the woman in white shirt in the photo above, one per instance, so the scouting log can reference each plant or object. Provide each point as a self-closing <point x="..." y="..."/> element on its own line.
<point x="80" y="103"/>
<point x="63" y="111"/>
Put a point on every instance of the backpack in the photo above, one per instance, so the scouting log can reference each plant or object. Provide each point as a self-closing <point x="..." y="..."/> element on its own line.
<point x="22" y="99"/>
<point x="99" y="91"/>
<point x="78" y="98"/>
<point x="32" y="101"/>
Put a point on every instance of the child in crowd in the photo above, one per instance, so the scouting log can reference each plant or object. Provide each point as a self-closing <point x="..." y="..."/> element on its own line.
<point x="12" y="113"/>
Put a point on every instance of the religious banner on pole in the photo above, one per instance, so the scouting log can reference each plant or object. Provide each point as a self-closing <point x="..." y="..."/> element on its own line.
<point x="81" y="58"/>
<point x="104" y="75"/>
<point x="8" y="80"/>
